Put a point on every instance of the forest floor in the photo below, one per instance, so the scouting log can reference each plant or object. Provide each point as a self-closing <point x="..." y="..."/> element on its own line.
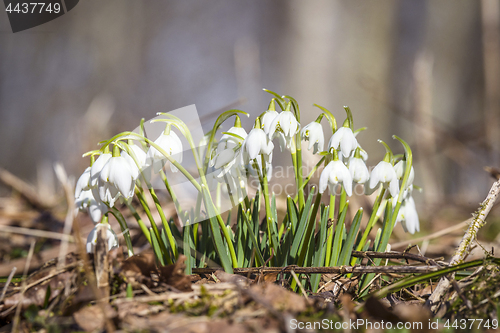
<point x="49" y="284"/>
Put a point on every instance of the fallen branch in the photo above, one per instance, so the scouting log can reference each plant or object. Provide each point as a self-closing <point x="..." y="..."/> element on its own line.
<point x="478" y="220"/>
<point x="393" y="255"/>
<point x="326" y="270"/>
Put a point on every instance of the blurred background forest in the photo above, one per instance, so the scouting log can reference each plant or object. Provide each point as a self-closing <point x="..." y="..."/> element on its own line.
<point x="428" y="71"/>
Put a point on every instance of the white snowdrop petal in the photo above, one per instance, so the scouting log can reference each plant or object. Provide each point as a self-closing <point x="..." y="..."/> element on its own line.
<point x="83" y="182"/>
<point x="96" y="168"/>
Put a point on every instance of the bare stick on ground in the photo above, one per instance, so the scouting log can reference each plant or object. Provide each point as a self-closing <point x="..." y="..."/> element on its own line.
<point x="463" y="249"/>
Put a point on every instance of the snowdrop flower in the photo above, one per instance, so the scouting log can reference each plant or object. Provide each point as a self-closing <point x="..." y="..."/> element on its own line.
<point x="97" y="167"/>
<point x="408" y="216"/>
<point x="83" y="183"/>
<point x="362" y="152"/>
<point x="267" y="119"/>
<point x="343" y="139"/>
<point x="358" y="170"/>
<point x="385" y="174"/>
<point x="228" y="149"/>
<point x="400" y="171"/>
<point x="255" y="144"/>
<point x="110" y="235"/>
<point x="94" y="207"/>
<point x="119" y="173"/>
<point x="333" y="174"/>
<point x="286" y="124"/>
<point x="140" y="156"/>
<point x="313" y="133"/>
<point x="171" y="144"/>
<point x="256" y="169"/>
<point x="228" y="141"/>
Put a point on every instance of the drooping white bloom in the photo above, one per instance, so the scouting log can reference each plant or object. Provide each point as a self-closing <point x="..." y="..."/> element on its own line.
<point x="106" y="192"/>
<point x="255" y="144"/>
<point x="110" y="235"/>
<point x="97" y="167"/>
<point x="359" y="171"/>
<point x="313" y="133"/>
<point x="120" y="174"/>
<point x="267" y="119"/>
<point x="94" y="207"/>
<point x="362" y="152"/>
<point x="140" y="156"/>
<point x="343" y="139"/>
<point x="385" y="174"/>
<point x="227" y="152"/>
<point x="286" y="124"/>
<point x="256" y="170"/>
<point x="83" y="183"/>
<point x="408" y="216"/>
<point x="333" y="174"/>
<point x="172" y="145"/>
<point x="400" y="171"/>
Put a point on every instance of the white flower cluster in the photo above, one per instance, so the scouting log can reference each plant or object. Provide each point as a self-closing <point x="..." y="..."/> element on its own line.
<point x="114" y="176"/>
<point x="237" y="152"/>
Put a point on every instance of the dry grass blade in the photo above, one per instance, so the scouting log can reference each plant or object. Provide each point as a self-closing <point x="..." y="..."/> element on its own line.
<point x="9" y="279"/>
<point x="70" y="215"/>
<point x="25" y="273"/>
<point x="25" y="190"/>
<point x="36" y="233"/>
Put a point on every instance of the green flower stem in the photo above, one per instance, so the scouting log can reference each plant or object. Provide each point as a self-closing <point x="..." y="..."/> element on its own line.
<point x="265" y="191"/>
<point x="218" y="244"/>
<point x="329" y="241"/>
<point x="171" y="192"/>
<point x="140" y="222"/>
<point x="166" y="226"/>
<point x="145" y="206"/>
<point x="372" y="220"/>
<point x="124" y="227"/>
<point x="343" y="199"/>
<point x="309" y="176"/>
<point x="309" y="231"/>
<point x="300" y="179"/>
<point x="209" y="204"/>
<point x="409" y="161"/>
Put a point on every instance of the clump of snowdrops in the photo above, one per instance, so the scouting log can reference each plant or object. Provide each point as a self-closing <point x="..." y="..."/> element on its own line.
<point x="312" y="233"/>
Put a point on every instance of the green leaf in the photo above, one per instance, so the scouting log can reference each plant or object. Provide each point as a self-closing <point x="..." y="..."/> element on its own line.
<point x="253" y="238"/>
<point x="130" y="291"/>
<point x="412" y="280"/>
<point x="339" y="233"/>
<point x="187" y="246"/>
<point x="299" y="233"/>
<point x="319" y="256"/>
<point x="310" y="227"/>
<point x="156" y="247"/>
<point x="345" y="255"/>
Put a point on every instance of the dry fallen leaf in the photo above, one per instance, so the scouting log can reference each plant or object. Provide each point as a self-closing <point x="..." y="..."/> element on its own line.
<point x="280" y="298"/>
<point x="142" y="268"/>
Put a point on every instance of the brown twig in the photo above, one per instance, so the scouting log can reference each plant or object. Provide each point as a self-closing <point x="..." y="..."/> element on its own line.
<point x="478" y="220"/>
<point x="393" y="255"/>
<point x="327" y="270"/>
<point x="35" y="233"/>
<point x="9" y="279"/>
